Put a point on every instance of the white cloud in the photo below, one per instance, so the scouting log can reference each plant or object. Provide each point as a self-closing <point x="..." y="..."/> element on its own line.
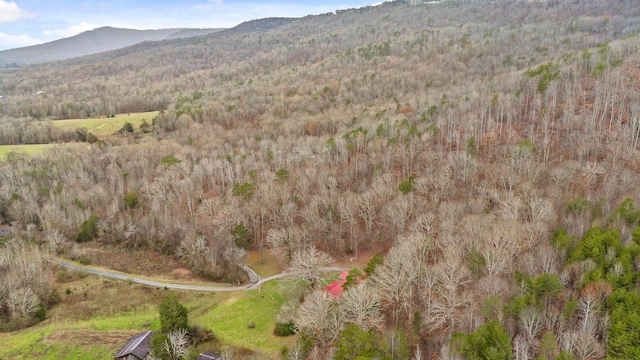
<point x="10" y="12"/>
<point x="16" y="41"/>
<point x="217" y="2"/>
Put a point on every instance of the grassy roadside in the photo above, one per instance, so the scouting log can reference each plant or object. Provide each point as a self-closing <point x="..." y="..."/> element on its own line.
<point x="158" y="278"/>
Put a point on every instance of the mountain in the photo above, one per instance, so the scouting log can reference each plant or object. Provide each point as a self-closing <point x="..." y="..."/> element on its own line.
<point x="91" y="42"/>
<point x="258" y="26"/>
<point x="479" y="160"/>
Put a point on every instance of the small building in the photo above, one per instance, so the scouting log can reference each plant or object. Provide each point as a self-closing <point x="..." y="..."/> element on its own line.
<point x="335" y="288"/>
<point x="137" y="348"/>
<point x="208" y="356"/>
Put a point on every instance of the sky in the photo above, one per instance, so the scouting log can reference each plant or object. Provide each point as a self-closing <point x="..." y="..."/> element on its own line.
<point x="32" y="22"/>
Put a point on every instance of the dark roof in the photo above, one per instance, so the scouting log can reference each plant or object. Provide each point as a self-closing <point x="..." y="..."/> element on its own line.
<point x="139" y="346"/>
<point x="208" y="356"/>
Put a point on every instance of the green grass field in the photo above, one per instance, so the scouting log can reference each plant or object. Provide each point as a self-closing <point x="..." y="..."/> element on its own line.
<point x="107" y="126"/>
<point x="98" y="127"/>
<point x="31" y="149"/>
<point x="247" y="319"/>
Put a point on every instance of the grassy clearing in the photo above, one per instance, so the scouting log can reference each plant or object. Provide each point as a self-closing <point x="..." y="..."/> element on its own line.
<point x="68" y="340"/>
<point x="96" y="316"/>
<point x="99" y="127"/>
<point x="265" y="264"/>
<point x="107" y="126"/>
<point x="247" y="319"/>
<point x="30" y="149"/>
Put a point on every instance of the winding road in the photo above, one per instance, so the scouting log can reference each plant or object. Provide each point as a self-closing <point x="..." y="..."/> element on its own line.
<point x="254" y="279"/>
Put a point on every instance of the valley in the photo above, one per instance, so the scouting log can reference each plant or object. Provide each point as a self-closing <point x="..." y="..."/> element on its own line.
<point x="474" y="165"/>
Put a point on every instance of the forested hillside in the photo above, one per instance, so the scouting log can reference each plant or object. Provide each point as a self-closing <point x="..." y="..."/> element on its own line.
<point x="488" y="150"/>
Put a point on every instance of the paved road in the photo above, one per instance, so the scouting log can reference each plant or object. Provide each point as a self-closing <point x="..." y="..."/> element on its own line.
<point x="254" y="279"/>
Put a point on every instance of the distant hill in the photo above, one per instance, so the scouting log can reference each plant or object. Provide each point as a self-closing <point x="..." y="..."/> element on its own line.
<point x="91" y="42"/>
<point x="258" y="26"/>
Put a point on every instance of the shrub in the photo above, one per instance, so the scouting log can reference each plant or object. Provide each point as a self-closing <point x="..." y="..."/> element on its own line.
<point x="490" y="341"/>
<point x="81" y="134"/>
<point x="472" y="146"/>
<point x="41" y="313"/>
<point x="578" y="205"/>
<point x="126" y="128"/>
<point x="282" y="175"/>
<point x="145" y="127"/>
<point x="88" y="229"/>
<point x="131" y="200"/>
<point x="54" y="298"/>
<point x="91" y="138"/>
<point x="376" y="260"/>
<point x="241" y="236"/>
<point x="357" y="343"/>
<point x="406" y="186"/>
<point x="284" y="329"/>
<point x="200" y="335"/>
<point x="477" y="262"/>
<point x="243" y="190"/>
<point x="157" y="345"/>
<point x="169" y="160"/>
<point x="78" y="203"/>
<point x="173" y="315"/>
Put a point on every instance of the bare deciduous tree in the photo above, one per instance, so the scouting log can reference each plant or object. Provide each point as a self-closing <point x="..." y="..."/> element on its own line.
<point x="176" y="344"/>
<point x="397" y="278"/>
<point x="307" y="265"/>
<point x="317" y="317"/>
<point x="361" y="305"/>
<point x="583" y="345"/>
<point x="22" y="302"/>
<point x="55" y="240"/>
<point x="530" y="321"/>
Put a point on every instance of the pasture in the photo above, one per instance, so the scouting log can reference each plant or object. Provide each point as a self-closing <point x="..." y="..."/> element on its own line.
<point x="32" y="149"/>
<point x="105" y="126"/>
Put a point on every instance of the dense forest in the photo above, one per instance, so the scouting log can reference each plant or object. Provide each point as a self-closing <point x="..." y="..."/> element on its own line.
<point x="487" y="150"/>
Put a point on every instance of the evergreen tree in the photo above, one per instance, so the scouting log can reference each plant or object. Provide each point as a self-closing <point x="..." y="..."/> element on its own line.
<point x="173" y="315"/>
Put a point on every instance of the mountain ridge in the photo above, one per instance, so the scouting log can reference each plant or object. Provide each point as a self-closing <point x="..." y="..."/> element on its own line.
<point x="91" y="42"/>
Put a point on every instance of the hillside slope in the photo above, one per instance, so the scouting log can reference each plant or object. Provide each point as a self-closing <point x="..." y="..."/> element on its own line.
<point x="489" y="150"/>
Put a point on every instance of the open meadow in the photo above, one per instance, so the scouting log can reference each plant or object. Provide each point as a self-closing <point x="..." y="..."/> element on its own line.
<point x="104" y="126"/>
<point x="96" y="316"/>
<point x="99" y="127"/>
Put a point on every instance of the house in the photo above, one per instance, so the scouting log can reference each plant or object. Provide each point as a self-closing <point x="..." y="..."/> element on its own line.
<point x="208" y="356"/>
<point x="335" y="288"/>
<point x="137" y="348"/>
